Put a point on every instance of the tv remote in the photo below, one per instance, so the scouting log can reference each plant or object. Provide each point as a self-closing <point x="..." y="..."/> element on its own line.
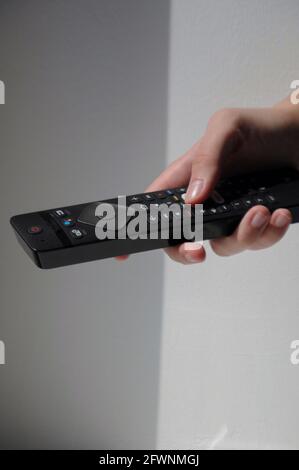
<point x="66" y="235"/>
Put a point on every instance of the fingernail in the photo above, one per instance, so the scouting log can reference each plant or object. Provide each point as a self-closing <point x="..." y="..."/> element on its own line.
<point x="191" y="251"/>
<point x="194" y="189"/>
<point x="190" y="258"/>
<point x="281" y="221"/>
<point x="259" y="220"/>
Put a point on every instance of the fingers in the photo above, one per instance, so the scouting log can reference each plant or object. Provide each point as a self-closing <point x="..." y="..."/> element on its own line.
<point x="216" y="153"/>
<point x="122" y="257"/>
<point x="187" y="253"/>
<point x="222" y="138"/>
<point x="275" y="230"/>
<point x="246" y="234"/>
<point x="258" y="229"/>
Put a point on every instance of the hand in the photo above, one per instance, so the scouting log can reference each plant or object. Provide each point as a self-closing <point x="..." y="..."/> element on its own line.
<point x="236" y="141"/>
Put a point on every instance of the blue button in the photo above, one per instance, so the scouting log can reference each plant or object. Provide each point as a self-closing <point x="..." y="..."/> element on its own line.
<point x="68" y="222"/>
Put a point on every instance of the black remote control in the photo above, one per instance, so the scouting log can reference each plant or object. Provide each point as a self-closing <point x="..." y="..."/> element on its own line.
<point x="67" y="235"/>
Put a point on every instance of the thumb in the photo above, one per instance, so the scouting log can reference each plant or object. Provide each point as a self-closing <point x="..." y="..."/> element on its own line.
<point x="204" y="176"/>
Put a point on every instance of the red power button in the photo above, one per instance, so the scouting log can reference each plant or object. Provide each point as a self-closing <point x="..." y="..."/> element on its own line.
<point x="35" y="229"/>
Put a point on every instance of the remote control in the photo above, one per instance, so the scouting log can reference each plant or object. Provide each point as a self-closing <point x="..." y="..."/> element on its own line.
<point x="67" y="235"/>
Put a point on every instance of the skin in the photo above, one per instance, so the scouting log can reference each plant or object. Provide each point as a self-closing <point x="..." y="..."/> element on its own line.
<point x="236" y="141"/>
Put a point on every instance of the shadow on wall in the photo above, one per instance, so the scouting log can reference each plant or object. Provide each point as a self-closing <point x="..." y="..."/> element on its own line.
<point x="85" y="117"/>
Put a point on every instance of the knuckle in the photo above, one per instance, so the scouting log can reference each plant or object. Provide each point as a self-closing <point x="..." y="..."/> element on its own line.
<point x="228" y="116"/>
<point x="219" y="249"/>
<point x="245" y="241"/>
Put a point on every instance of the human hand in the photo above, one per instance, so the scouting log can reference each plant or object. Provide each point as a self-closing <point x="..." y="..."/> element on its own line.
<point x="236" y="141"/>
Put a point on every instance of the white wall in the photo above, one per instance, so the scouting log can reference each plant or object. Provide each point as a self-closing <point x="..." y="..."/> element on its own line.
<point x="228" y="324"/>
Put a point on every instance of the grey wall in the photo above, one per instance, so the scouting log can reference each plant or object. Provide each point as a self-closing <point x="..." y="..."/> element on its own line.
<point x="85" y="118"/>
<point x="226" y="377"/>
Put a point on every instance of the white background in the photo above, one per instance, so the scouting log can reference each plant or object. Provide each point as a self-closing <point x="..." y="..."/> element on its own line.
<point x="226" y="374"/>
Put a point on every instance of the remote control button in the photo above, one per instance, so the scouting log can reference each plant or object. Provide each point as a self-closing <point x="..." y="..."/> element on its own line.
<point x="134" y="199"/>
<point x="35" y="230"/>
<point x="223" y="208"/>
<point x="213" y="210"/>
<point x="177" y="214"/>
<point x="148" y="197"/>
<point x="155" y="204"/>
<point x="170" y="192"/>
<point x="248" y="202"/>
<point x="270" y="199"/>
<point x="260" y="200"/>
<point x="181" y="190"/>
<point x="68" y="222"/>
<point x="236" y="205"/>
<point x="217" y="197"/>
<point x="204" y="212"/>
<point x="262" y="189"/>
<point x="76" y="233"/>
<point x="60" y="213"/>
<point x="183" y="196"/>
<point x="161" y="195"/>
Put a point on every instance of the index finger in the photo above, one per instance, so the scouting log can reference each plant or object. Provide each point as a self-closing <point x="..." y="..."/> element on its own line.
<point x="176" y="174"/>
